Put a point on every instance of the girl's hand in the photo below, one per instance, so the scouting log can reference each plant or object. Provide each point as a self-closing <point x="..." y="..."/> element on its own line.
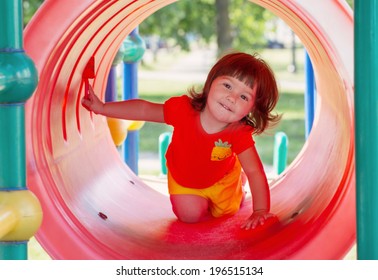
<point x="258" y="218"/>
<point x="91" y="102"/>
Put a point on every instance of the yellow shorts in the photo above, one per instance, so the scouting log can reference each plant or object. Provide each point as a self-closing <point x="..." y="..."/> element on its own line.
<point x="224" y="197"/>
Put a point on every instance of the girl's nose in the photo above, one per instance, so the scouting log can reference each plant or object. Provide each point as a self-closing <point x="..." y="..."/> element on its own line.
<point x="231" y="97"/>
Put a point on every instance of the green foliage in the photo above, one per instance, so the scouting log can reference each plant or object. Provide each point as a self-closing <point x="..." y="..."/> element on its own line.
<point x="29" y="9"/>
<point x="248" y="21"/>
<point x="351" y="3"/>
<point x="186" y="20"/>
<point x="176" y="21"/>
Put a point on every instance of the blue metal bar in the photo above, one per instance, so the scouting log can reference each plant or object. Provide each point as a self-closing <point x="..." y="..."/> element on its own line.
<point x="111" y="86"/>
<point x="310" y="95"/>
<point x="134" y="48"/>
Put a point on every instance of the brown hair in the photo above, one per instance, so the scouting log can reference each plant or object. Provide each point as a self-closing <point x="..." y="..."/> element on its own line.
<point x="253" y="71"/>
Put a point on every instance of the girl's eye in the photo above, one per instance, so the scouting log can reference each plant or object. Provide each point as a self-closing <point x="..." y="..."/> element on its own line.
<point x="244" y="97"/>
<point x="228" y="86"/>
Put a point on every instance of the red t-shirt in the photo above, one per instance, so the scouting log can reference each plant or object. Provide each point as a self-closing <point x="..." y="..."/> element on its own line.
<point x="193" y="159"/>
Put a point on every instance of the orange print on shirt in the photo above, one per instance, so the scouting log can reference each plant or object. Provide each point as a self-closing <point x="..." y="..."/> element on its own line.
<point x="221" y="151"/>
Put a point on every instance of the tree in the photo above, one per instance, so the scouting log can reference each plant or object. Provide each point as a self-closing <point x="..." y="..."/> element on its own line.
<point x="181" y="22"/>
<point x="236" y="24"/>
<point x="223" y="24"/>
<point x="248" y="22"/>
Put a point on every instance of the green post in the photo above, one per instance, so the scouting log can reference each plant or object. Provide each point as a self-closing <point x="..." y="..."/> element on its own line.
<point x="18" y="80"/>
<point x="13" y="250"/>
<point x="164" y="140"/>
<point x="366" y="135"/>
<point x="11" y="27"/>
<point x="280" y="152"/>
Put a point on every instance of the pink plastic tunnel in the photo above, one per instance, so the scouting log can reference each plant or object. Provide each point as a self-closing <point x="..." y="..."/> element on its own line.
<point x="95" y="207"/>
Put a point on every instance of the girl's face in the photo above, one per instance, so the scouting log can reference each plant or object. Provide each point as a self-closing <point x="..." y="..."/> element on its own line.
<point x="229" y="100"/>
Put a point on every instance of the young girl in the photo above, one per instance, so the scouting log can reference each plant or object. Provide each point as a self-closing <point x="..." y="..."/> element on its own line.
<point x="212" y="152"/>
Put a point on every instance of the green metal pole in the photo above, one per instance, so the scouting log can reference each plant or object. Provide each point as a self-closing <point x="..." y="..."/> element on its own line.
<point x="164" y="141"/>
<point x="18" y="80"/>
<point x="366" y="117"/>
<point x="12" y="158"/>
<point x="280" y="152"/>
<point x="11" y="27"/>
<point x="14" y="250"/>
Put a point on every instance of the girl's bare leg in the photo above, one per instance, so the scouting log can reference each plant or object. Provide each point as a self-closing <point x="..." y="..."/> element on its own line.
<point x="190" y="208"/>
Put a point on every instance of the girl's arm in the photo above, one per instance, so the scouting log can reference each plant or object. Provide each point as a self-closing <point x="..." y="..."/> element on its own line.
<point x="258" y="183"/>
<point x="134" y="109"/>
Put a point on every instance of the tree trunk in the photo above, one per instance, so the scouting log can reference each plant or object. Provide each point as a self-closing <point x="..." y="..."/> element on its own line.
<point x="224" y="36"/>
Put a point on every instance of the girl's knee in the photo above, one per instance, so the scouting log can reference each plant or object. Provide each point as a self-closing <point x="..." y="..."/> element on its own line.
<point x="189" y="208"/>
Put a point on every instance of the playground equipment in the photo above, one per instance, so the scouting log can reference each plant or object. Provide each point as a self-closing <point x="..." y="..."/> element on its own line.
<point x="130" y="52"/>
<point x="366" y="55"/>
<point x="20" y="210"/>
<point x="164" y="140"/>
<point x="119" y="128"/>
<point x="280" y="152"/>
<point x="80" y="179"/>
<point x="134" y="48"/>
<point x="310" y="95"/>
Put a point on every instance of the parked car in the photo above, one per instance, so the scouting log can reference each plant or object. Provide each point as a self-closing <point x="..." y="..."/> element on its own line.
<point x="273" y="44"/>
